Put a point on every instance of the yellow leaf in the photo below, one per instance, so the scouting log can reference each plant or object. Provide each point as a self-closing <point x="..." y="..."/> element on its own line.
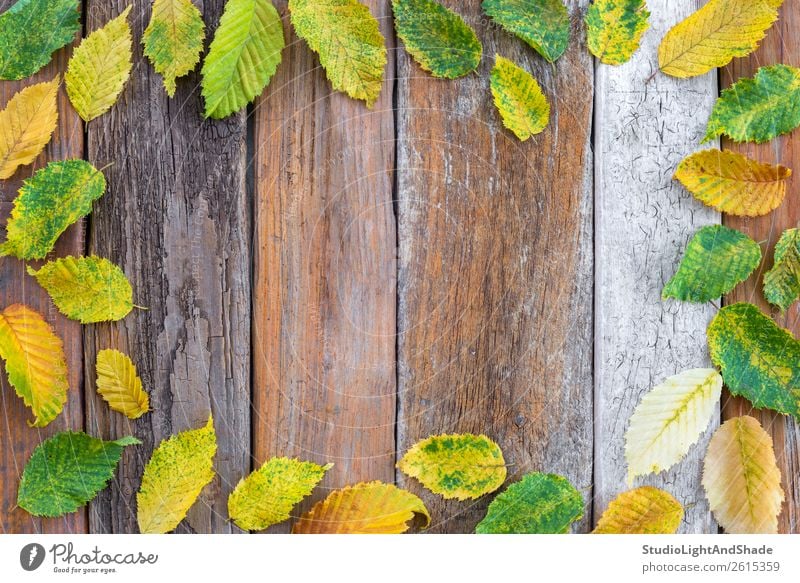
<point x="35" y="362"/>
<point x="523" y="107"/>
<point x="366" y="508"/>
<point x="645" y="510"/>
<point x="174" y="477"/>
<point x="732" y="183"/>
<point x="741" y="478"/>
<point x="119" y="385"/>
<point x="26" y="125"/>
<point x="100" y="67"/>
<point x="711" y="37"/>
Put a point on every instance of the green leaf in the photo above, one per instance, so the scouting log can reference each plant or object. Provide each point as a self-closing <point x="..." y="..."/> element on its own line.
<point x="758" y="109"/>
<point x="519" y="99"/>
<point x="87" y="289"/>
<point x="173" y="40"/>
<point x="51" y="200"/>
<point x="438" y="39"/>
<point x="782" y="282"/>
<point x="537" y="504"/>
<point x="349" y="43"/>
<point x="759" y="360"/>
<point x="267" y="496"/>
<point x="456" y="466"/>
<point x="543" y="24"/>
<point x="243" y="56"/>
<point x="717" y="259"/>
<point x="614" y="29"/>
<point x="31" y="31"/>
<point x="67" y="471"/>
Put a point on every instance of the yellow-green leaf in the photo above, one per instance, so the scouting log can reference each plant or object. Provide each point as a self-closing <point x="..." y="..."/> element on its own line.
<point x="173" y="40"/>
<point x="100" y="67"/>
<point x="711" y="37"/>
<point x="120" y="385"/>
<point x="669" y="419"/>
<point x="645" y="510"/>
<point x="366" y="508"/>
<point x="87" y="289"/>
<point x="35" y="362"/>
<point x="26" y="125"/>
<point x="741" y="478"/>
<point x="543" y="24"/>
<point x="349" y="43"/>
<point x="614" y="29"/>
<point x="177" y="472"/>
<point x="732" y="183"/>
<point x="267" y="496"/>
<point x="782" y="282"/>
<point x="456" y="466"/>
<point x="519" y="99"/>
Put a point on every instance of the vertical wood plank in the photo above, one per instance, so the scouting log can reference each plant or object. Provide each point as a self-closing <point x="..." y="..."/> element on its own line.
<point x="780" y="46"/>
<point x="17" y="440"/>
<point x="324" y="271"/>
<point x="495" y="279"/>
<point x="176" y="218"/>
<point x="643" y="222"/>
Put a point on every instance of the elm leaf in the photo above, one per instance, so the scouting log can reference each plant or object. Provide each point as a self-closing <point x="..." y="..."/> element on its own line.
<point x="543" y="24"/>
<point x="119" y="384"/>
<point x="519" y="99"/>
<point x="782" y="282"/>
<point x="614" y="29"/>
<point x="644" y="510"/>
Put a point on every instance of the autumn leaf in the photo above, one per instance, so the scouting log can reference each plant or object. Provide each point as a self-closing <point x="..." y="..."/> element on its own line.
<point x="741" y="478"/>
<point x="51" y="200"/>
<point x="670" y="419"/>
<point x="537" y="504"/>
<point x="438" y="39"/>
<point x="87" y="289"/>
<point x="456" y="466"/>
<point x="177" y="472"/>
<point x="614" y="29"/>
<point x="35" y="362"/>
<point x="711" y="37"/>
<point x="782" y="282"/>
<point x="267" y="496"/>
<point x="243" y="56"/>
<point x="366" y="508"/>
<point x="645" y="510"/>
<point x="26" y="125"/>
<point x="758" y="109"/>
<point x="732" y="183"/>
<point x="349" y="43"/>
<point x="543" y="24"/>
<point x="31" y="31"/>
<point x="173" y="40"/>
<point x="519" y="99"/>
<point x="120" y="385"/>
<point x="67" y="471"/>
<point x="717" y="259"/>
<point x="758" y="359"/>
<point x="100" y="67"/>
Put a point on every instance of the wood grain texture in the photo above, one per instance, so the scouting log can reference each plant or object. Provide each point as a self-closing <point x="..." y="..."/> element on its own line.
<point x="643" y="223"/>
<point x="176" y="218"/>
<point x="780" y="46"/>
<point x="17" y="440"/>
<point x="324" y="291"/>
<point x="495" y="274"/>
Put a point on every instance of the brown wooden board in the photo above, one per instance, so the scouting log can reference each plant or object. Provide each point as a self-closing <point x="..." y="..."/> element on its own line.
<point x="176" y="218"/>
<point x="495" y="267"/>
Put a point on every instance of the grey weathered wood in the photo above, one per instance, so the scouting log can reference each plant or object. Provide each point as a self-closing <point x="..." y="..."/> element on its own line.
<point x="643" y="222"/>
<point x="495" y="280"/>
<point x="176" y="217"/>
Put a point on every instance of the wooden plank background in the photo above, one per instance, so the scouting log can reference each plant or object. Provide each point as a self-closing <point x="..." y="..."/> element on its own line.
<point x="335" y="282"/>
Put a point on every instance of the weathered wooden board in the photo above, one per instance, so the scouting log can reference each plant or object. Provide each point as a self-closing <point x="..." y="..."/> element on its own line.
<point x="176" y="217"/>
<point x="17" y="440"/>
<point x="643" y="222"/>
<point x="495" y="280"/>
<point x="324" y="291"/>
<point x="780" y="46"/>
